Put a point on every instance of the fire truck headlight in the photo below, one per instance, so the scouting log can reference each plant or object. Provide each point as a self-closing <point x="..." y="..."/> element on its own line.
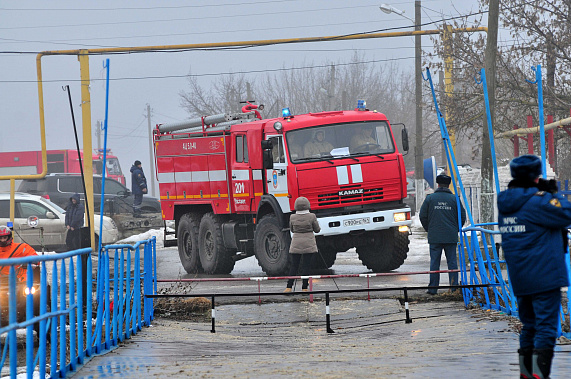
<point x="286" y="113"/>
<point x="278" y="126"/>
<point x="28" y="291"/>
<point x="398" y="217"/>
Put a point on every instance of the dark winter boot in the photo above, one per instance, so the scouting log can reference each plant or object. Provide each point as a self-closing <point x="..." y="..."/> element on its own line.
<point x="542" y="363"/>
<point x="525" y="363"/>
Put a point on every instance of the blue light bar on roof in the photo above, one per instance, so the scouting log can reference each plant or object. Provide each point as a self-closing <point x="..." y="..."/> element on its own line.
<point x="361" y="104"/>
<point x="286" y="113"/>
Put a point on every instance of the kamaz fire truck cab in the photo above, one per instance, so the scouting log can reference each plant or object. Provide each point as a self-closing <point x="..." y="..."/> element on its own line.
<point x="230" y="187"/>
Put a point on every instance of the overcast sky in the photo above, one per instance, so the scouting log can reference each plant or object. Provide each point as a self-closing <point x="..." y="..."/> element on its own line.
<point x="157" y="78"/>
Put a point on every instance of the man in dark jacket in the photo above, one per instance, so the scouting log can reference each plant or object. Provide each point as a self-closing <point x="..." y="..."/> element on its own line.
<point x="138" y="187"/>
<point x="439" y="217"/>
<point x="74" y="219"/>
<point x="533" y="221"/>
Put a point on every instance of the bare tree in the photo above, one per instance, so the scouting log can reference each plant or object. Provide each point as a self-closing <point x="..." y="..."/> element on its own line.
<point x="330" y="86"/>
<point x="539" y="35"/>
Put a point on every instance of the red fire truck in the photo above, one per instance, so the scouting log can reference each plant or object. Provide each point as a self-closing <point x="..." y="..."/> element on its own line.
<point x="59" y="161"/>
<point x="229" y="182"/>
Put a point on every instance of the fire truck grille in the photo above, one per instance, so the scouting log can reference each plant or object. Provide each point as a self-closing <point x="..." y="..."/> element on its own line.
<point x="372" y="194"/>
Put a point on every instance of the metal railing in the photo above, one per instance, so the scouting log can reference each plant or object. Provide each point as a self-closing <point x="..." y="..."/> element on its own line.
<point x="63" y="317"/>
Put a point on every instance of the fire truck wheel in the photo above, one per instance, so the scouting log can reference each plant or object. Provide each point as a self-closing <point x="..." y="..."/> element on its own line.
<point x="187" y="241"/>
<point x="271" y="246"/>
<point x="325" y="258"/>
<point x="387" y="251"/>
<point x="215" y="258"/>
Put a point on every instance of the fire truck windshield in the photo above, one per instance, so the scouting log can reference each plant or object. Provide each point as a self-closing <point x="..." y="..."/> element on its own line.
<point x="113" y="167"/>
<point x="339" y="140"/>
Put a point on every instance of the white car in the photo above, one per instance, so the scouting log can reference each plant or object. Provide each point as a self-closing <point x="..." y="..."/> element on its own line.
<point x="50" y="232"/>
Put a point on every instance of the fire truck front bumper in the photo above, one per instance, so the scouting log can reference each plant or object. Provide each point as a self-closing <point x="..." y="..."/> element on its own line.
<point x="370" y="221"/>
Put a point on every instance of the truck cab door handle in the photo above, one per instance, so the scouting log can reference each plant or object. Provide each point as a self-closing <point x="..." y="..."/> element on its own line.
<point x="233" y="176"/>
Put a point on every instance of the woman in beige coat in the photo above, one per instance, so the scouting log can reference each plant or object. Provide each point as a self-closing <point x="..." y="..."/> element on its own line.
<point x="303" y="246"/>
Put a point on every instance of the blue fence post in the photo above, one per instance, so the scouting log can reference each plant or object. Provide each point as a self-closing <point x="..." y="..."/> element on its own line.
<point x="62" y="307"/>
<point x="12" y="319"/>
<point x="80" y="348"/>
<point x="115" y="296"/>
<point x="89" y="307"/>
<point x="128" y="295"/>
<point x="72" y="324"/>
<point x="121" y="295"/>
<point x="107" y="304"/>
<point x="43" y="309"/>
<point x="137" y="289"/>
<point x="54" y="321"/>
<point x="29" y="316"/>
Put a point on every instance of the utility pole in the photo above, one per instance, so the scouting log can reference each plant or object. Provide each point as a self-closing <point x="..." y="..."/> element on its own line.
<point x="331" y="91"/>
<point x="98" y="135"/>
<point x="442" y="100"/>
<point x="419" y="151"/>
<point x="152" y="166"/>
<point x="487" y="195"/>
<point x="249" y="96"/>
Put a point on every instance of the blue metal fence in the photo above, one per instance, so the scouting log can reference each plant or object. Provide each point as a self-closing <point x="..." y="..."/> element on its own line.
<point x="477" y="240"/>
<point x="63" y="315"/>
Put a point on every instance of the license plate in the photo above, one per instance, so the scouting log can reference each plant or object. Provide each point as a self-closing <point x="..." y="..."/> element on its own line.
<point x="357" y="221"/>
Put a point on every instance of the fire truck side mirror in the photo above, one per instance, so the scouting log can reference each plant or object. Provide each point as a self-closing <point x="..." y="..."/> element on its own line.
<point x="404" y="137"/>
<point x="268" y="159"/>
<point x="267" y="144"/>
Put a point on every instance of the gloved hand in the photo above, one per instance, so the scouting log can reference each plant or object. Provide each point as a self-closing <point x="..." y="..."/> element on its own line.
<point x="547" y="185"/>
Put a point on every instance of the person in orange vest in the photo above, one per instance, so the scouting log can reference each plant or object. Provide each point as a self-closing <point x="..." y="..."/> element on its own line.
<point x="8" y="249"/>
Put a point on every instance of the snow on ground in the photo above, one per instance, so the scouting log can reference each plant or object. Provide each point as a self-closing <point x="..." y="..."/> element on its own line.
<point x="158" y="233"/>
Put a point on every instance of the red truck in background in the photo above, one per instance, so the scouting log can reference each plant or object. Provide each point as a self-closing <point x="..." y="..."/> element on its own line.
<point x="59" y="161"/>
<point x="230" y="181"/>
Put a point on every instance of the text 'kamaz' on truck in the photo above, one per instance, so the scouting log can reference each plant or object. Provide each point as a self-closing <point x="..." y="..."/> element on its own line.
<point x="229" y="182"/>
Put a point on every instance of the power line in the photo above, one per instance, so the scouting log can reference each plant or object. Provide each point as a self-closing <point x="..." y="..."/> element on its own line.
<point x="213" y="74"/>
<point x="251" y="3"/>
<point x="154" y="21"/>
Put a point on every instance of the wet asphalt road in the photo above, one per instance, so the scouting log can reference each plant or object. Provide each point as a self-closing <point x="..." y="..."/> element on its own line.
<point x="286" y="337"/>
<point x="285" y="340"/>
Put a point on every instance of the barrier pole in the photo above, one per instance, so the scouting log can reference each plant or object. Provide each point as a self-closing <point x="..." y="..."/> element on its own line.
<point x="327" y="314"/>
<point x="310" y="289"/>
<point x="368" y="293"/>
<point x="213" y="317"/>
<point x="408" y="320"/>
<point x="259" y="293"/>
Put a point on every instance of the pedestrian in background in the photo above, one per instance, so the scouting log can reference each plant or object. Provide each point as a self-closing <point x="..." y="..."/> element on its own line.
<point x="533" y="222"/>
<point x="439" y="217"/>
<point x="303" y="246"/>
<point x="74" y="220"/>
<point x="138" y="187"/>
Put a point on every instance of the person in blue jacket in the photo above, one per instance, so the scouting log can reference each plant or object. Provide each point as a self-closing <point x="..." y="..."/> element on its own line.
<point x="74" y="220"/>
<point x="138" y="187"/>
<point x="533" y="222"/>
<point x="439" y="217"/>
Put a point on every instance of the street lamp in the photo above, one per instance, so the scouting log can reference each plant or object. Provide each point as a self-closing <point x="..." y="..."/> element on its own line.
<point x="390" y="9"/>
<point x="418" y="154"/>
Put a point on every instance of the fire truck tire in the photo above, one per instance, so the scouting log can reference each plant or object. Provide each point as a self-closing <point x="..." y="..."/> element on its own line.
<point x="271" y="246"/>
<point x="387" y="252"/>
<point x="215" y="258"/>
<point x="325" y="258"/>
<point x="187" y="242"/>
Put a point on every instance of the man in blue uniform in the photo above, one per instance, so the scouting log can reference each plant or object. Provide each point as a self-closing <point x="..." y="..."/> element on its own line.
<point x="439" y="217"/>
<point x="533" y="221"/>
<point x="138" y="187"/>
